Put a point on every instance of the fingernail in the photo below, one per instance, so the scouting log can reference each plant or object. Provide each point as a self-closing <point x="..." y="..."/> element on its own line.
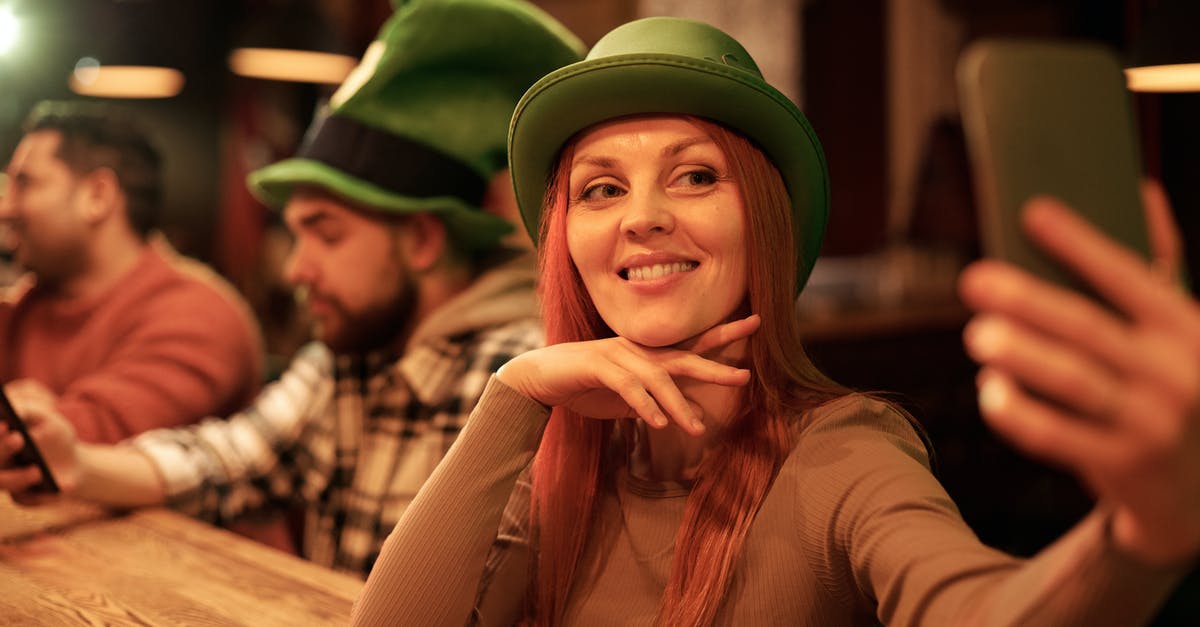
<point x="994" y="395"/>
<point x="984" y="338"/>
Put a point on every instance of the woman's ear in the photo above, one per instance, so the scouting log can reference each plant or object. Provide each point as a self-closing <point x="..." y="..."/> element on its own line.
<point x="422" y="241"/>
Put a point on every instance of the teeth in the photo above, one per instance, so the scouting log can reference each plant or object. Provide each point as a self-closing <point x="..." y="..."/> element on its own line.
<point x="659" y="270"/>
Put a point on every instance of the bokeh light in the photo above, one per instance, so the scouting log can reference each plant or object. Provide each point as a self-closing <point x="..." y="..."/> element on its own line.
<point x="9" y="30"/>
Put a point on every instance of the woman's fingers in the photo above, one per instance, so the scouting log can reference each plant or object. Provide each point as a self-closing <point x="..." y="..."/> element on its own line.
<point x="1008" y="291"/>
<point x="1069" y="373"/>
<point x="616" y="378"/>
<point x="1040" y="364"/>
<point x="722" y="335"/>
<point x="1117" y="274"/>
<point x="657" y="372"/>
<point x="1036" y="427"/>
<point x="1166" y="243"/>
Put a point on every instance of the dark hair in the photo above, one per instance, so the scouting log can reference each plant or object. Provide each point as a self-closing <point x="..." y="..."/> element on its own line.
<point x="98" y="136"/>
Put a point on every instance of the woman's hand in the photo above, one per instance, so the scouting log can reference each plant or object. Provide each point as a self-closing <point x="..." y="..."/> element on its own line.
<point x="1110" y="393"/>
<point x="54" y="436"/>
<point x="616" y="378"/>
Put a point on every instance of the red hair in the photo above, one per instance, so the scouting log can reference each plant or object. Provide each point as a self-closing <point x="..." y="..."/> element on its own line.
<point x="734" y="478"/>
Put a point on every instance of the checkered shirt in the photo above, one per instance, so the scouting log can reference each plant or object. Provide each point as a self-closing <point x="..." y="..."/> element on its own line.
<point x="351" y="440"/>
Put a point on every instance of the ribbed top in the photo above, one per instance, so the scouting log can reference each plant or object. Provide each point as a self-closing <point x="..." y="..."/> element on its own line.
<point x="854" y="530"/>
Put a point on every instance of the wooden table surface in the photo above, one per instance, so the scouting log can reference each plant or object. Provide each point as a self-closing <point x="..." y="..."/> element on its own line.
<point x="74" y="564"/>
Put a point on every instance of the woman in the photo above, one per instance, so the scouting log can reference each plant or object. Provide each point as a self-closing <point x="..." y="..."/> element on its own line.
<point x="695" y="469"/>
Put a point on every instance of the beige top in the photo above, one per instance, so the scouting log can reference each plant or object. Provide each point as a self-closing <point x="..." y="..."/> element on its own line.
<point x="855" y="529"/>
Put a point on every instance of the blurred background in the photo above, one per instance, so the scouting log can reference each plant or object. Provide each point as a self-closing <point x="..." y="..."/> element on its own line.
<point x="875" y="77"/>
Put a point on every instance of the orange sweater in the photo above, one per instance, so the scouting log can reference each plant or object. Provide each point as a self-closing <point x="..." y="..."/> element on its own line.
<point x="170" y="344"/>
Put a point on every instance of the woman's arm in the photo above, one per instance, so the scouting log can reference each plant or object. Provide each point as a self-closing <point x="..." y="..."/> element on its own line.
<point x="883" y="532"/>
<point x="431" y="565"/>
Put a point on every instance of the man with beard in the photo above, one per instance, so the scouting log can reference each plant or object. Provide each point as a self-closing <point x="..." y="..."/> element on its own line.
<point x="414" y="301"/>
<point x="117" y="330"/>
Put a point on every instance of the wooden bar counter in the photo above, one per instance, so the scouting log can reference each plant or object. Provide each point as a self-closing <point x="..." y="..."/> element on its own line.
<point x="74" y="564"/>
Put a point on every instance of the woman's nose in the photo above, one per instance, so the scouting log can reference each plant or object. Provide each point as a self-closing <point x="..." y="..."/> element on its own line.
<point x="647" y="214"/>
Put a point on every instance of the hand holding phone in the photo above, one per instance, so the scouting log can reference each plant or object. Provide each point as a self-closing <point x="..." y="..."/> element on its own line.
<point x="29" y="455"/>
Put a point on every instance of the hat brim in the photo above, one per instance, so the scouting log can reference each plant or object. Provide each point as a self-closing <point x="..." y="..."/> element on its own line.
<point x="580" y="95"/>
<point x="470" y="227"/>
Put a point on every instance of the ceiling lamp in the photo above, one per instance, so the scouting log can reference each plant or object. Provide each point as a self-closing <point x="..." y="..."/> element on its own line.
<point x="305" y="66"/>
<point x="91" y="78"/>
<point x="290" y="40"/>
<point x="1165" y="56"/>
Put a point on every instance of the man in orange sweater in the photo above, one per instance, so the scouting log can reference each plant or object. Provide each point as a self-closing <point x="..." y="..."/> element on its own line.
<point x="123" y="333"/>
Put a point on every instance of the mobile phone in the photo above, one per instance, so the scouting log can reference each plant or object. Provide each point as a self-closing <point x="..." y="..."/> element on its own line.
<point x="29" y="455"/>
<point x="1050" y="118"/>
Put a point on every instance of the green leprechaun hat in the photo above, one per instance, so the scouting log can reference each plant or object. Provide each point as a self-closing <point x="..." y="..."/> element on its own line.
<point x="421" y="124"/>
<point x="674" y="66"/>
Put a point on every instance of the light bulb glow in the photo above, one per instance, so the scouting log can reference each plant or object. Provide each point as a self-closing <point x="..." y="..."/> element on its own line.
<point x="10" y="30"/>
<point x="124" y="81"/>
<point x="303" y="66"/>
<point x="1164" y="78"/>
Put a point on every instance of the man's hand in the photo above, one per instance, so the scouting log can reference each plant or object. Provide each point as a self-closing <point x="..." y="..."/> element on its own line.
<point x="53" y="435"/>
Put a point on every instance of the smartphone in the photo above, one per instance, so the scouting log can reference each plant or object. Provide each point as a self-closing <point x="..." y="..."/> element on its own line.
<point x="29" y="455"/>
<point x="1050" y="118"/>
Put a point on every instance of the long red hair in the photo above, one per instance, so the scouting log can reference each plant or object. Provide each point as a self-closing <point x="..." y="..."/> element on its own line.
<point x="734" y="478"/>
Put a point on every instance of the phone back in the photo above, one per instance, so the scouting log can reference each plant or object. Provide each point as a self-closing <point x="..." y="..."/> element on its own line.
<point x="1050" y="118"/>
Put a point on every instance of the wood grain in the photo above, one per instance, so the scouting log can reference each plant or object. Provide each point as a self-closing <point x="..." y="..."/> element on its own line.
<point x="157" y="567"/>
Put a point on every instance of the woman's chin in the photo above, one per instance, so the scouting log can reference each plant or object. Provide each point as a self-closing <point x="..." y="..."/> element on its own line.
<point x="659" y="337"/>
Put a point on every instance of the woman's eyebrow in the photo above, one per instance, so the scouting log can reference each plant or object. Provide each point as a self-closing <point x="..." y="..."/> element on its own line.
<point x="598" y="161"/>
<point x="677" y="147"/>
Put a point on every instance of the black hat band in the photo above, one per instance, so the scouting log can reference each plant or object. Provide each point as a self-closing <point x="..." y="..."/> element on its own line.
<point x="394" y="163"/>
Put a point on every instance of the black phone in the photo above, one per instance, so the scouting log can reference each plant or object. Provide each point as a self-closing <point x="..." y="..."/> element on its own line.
<point x="29" y="455"/>
<point x="1050" y="118"/>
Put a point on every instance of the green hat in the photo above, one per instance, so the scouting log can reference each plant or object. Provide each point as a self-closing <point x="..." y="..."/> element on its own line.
<point x="671" y="65"/>
<point x="420" y="125"/>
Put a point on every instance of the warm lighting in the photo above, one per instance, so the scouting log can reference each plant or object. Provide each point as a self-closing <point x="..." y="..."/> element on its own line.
<point x="90" y="78"/>
<point x="1164" y="78"/>
<point x="9" y="29"/>
<point x="1165" y="54"/>
<point x="302" y="66"/>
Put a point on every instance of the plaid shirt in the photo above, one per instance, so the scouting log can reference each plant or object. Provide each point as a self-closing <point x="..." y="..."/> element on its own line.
<point x="351" y="439"/>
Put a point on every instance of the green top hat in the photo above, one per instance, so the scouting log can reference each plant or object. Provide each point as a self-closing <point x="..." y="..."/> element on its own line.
<point x="420" y="125"/>
<point x="671" y="65"/>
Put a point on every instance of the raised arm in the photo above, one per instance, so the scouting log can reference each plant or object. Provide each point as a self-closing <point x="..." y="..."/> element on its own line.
<point x="1111" y="393"/>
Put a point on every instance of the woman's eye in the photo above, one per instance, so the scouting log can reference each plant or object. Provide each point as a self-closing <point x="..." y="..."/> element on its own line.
<point x="698" y="178"/>
<point x="601" y="191"/>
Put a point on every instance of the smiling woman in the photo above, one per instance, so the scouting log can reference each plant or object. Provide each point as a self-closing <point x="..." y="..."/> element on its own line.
<point x="672" y="457"/>
<point x="655" y="226"/>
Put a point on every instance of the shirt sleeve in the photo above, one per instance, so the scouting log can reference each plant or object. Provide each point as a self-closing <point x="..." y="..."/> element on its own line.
<point x="885" y="531"/>
<point x="427" y="575"/>
<point x="220" y="469"/>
